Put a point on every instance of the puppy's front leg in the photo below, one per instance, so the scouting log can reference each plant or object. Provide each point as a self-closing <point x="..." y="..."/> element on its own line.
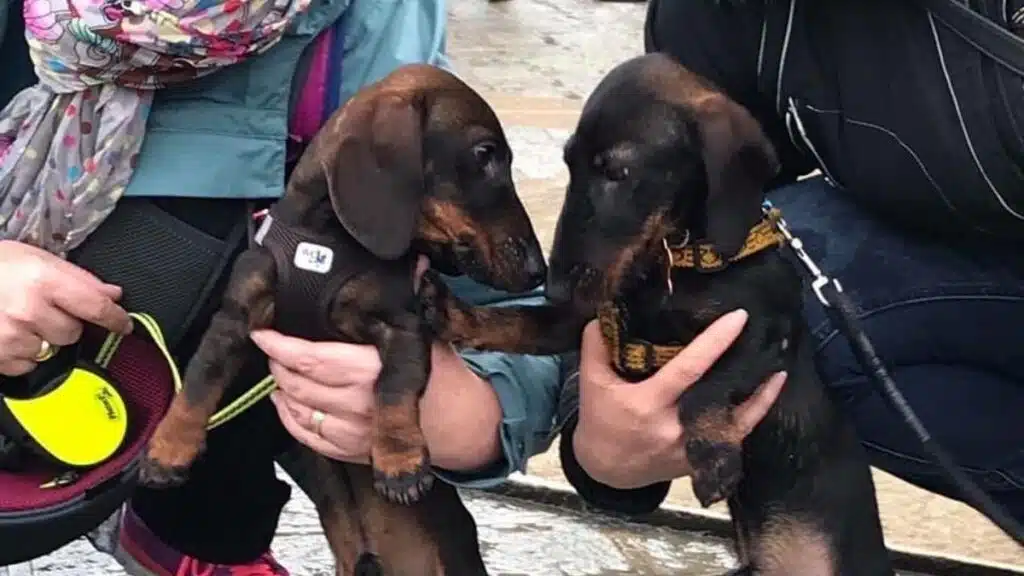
<point x="534" y="330"/>
<point x="248" y="304"/>
<point x="713" y="442"/>
<point x="398" y="450"/>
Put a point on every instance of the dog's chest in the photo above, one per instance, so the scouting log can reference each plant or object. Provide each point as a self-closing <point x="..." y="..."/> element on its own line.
<point x="310" y="270"/>
<point x="678" y="317"/>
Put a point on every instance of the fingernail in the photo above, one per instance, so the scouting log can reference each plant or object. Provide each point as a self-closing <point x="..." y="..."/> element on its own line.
<point x="779" y="377"/>
<point x="737" y="316"/>
<point x="258" y="337"/>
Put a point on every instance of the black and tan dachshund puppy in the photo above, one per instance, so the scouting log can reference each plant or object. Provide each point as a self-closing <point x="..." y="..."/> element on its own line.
<point x="661" y="233"/>
<point x="415" y="164"/>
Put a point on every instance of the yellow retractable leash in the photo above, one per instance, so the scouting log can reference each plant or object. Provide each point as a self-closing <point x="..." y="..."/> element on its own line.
<point x="261" y="390"/>
<point x="71" y="412"/>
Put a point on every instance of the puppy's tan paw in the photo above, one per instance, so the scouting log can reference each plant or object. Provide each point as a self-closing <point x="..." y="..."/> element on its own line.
<point x="402" y="477"/>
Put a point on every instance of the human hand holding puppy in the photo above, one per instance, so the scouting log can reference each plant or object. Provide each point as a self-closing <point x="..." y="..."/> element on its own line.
<point x="628" y="434"/>
<point x="459" y="411"/>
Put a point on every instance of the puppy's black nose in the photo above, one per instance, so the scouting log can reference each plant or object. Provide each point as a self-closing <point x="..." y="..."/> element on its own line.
<point x="535" y="267"/>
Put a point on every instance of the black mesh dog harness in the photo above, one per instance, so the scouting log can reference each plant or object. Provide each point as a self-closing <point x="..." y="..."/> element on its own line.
<point x="311" y="268"/>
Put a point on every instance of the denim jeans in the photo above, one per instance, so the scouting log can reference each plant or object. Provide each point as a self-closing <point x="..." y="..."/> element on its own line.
<point x="950" y="327"/>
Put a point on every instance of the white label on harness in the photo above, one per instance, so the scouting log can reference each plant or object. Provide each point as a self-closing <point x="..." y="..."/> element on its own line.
<point x="313" y="257"/>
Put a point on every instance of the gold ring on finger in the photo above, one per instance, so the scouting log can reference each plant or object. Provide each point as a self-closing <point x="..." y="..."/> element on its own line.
<point x="317" y="420"/>
<point x="46" y="351"/>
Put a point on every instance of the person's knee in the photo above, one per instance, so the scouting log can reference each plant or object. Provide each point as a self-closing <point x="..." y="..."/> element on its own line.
<point x="922" y="292"/>
<point x="970" y="411"/>
<point x="947" y="328"/>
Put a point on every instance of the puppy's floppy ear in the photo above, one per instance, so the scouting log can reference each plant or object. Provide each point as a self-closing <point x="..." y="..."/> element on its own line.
<point x="740" y="161"/>
<point x="374" y="173"/>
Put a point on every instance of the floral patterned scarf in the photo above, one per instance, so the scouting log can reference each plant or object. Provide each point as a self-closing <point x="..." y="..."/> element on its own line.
<point x="68" y="146"/>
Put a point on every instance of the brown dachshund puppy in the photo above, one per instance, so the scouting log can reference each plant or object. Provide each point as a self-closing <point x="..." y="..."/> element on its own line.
<point x="661" y="233"/>
<point x="417" y="163"/>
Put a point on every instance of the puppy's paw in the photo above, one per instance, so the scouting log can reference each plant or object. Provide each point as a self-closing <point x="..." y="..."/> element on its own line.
<point x="401" y="477"/>
<point x="432" y="305"/>
<point x="155" y="474"/>
<point x="717" y="469"/>
<point x="166" y="464"/>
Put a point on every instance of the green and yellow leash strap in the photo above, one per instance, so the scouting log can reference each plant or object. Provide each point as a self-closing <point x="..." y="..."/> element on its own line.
<point x="261" y="390"/>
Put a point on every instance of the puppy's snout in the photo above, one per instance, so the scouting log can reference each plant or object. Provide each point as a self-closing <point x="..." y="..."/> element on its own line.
<point x="525" y="262"/>
<point x="464" y="251"/>
<point x="534" y="266"/>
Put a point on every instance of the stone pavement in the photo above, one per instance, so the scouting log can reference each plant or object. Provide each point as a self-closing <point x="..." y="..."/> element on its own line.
<point x="517" y="538"/>
<point x="536" y="60"/>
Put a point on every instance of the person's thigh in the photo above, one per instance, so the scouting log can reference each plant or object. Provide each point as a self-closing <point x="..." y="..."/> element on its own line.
<point x="950" y="327"/>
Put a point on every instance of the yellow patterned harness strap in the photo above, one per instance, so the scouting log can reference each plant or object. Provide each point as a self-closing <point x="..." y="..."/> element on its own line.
<point x="638" y="357"/>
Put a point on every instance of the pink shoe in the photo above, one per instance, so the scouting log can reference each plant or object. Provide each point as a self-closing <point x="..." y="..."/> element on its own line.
<point x="143" y="554"/>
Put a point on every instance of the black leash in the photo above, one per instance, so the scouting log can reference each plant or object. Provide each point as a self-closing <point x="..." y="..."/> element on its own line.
<point x="843" y="313"/>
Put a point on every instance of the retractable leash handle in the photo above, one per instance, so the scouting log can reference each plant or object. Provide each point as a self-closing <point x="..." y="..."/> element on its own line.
<point x="841" y="310"/>
<point x="68" y="411"/>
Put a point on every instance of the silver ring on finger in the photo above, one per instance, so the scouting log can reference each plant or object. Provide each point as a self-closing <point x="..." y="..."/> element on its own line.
<point x="317" y="420"/>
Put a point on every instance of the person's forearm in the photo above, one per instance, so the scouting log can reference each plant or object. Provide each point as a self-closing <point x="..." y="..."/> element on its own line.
<point x="471" y="442"/>
<point x="472" y="395"/>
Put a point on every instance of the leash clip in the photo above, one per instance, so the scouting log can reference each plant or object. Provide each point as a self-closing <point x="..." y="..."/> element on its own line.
<point x="819" y="279"/>
<point x="671" y="262"/>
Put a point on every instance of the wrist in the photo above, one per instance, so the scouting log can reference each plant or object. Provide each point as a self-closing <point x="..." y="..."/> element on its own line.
<point x="460" y="414"/>
<point x="595" y="459"/>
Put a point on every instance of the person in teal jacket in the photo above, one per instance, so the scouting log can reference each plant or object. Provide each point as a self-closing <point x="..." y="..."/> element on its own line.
<point x="215" y="149"/>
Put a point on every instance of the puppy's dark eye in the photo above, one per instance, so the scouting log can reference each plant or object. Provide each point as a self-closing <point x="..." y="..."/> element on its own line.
<point x="610" y="171"/>
<point x="616" y="173"/>
<point x="485" y="152"/>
